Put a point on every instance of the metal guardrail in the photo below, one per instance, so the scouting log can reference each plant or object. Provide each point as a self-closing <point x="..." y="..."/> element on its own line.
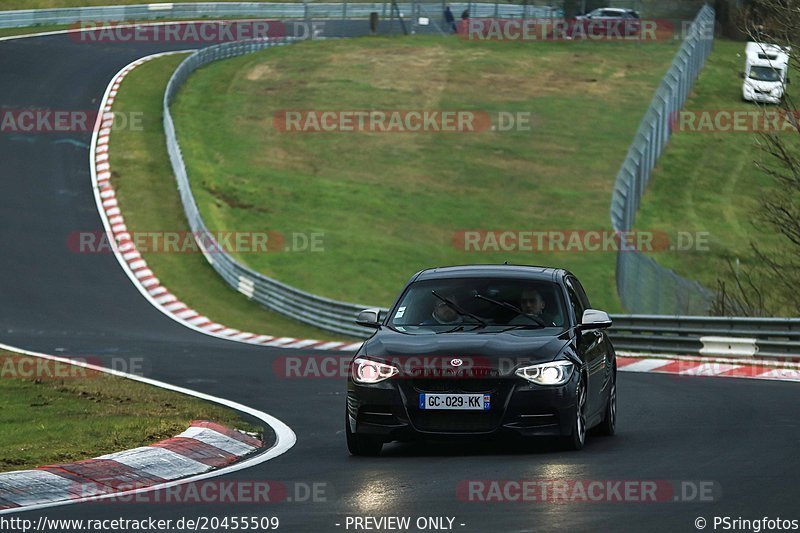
<point x="324" y="313"/>
<point x="775" y="337"/>
<point x="642" y="284"/>
<point x="304" y="10"/>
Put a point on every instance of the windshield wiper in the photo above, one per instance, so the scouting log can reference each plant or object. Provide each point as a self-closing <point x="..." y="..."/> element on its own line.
<point x="458" y="309"/>
<point x="538" y="321"/>
<point x="521" y="326"/>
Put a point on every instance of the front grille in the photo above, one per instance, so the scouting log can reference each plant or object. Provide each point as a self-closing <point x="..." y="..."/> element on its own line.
<point x="456" y="385"/>
<point x="456" y="421"/>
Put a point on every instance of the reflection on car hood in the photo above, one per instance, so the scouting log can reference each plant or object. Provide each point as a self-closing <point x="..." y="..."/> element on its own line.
<point x="489" y="347"/>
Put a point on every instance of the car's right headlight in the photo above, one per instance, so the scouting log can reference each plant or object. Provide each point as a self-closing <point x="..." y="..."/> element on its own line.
<point x="368" y="371"/>
<point x="552" y="373"/>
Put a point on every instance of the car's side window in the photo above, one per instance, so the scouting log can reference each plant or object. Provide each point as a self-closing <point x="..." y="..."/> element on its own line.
<point x="575" y="301"/>
<point x="581" y="293"/>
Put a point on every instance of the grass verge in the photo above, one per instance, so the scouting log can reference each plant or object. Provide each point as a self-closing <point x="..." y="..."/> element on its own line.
<point x="148" y="197"/>
<point x="389" y="204"/>
<point x="80" y="413"/>
<point x="708" y="181"/>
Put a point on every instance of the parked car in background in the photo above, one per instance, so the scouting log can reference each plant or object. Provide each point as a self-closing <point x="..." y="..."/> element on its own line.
<point x="610" y="21"/>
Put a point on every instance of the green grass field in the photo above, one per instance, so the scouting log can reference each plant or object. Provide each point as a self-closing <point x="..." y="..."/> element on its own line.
<point x="83" y="414"/>
<point x="708" y="182"/>
<point x="389" y="204"/>
<point x="148" y="197"/>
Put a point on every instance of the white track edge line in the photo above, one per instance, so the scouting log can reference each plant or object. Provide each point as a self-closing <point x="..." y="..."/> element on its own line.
<point x="102" y="212"/>
<point x="285" y="438"/>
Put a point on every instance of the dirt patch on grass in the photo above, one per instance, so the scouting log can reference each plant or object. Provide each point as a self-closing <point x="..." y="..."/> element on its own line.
<point x="259" y="72"/>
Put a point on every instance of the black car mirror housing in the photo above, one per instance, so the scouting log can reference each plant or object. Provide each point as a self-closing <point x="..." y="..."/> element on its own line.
<point x="369" y="318"/>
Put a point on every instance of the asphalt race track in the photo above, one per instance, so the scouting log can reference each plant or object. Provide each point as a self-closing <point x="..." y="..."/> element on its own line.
<point x="743" y="435"/>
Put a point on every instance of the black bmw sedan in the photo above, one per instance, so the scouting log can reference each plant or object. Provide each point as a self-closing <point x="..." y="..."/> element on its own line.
<point x="483" y="350"/>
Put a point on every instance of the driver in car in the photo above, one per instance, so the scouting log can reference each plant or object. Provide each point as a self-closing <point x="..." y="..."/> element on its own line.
<point x="532" y="304"/>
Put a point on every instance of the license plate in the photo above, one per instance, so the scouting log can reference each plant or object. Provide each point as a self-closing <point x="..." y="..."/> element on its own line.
<point x="458" y="402"/>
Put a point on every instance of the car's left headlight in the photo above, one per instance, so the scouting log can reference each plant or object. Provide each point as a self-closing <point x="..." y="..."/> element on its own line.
<point x="368" y="371"/>
<point x="552" y="373"/>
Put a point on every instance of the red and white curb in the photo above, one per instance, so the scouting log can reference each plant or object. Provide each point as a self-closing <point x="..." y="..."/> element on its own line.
<point x="203" y="451"/>
<point x="704" y="366"/>
<point x="132" y="261"/>
<point x="201" y="448"/>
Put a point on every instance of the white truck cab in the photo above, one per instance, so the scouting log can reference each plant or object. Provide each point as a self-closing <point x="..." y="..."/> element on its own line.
<point x="765" y="72"/>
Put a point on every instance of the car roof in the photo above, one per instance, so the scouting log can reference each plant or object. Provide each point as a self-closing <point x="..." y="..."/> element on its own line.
<point x="531" y="272"/>
<point x="619" y="10"/>
<point x="754" y="50"/>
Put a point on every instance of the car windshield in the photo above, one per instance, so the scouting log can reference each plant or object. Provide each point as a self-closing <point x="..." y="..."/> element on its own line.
<point x="765" y="74"/>
<point x="472" y="304"/>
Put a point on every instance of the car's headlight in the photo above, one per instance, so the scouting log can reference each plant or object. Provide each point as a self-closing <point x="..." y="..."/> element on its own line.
<point x="553" y="373"/>
<point x="367" y="371"/>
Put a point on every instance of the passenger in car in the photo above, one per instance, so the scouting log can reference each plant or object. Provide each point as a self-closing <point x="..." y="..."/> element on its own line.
<point x="443" y="313"/>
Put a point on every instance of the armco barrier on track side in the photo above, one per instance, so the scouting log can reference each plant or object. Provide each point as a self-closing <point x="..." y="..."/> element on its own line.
<point x="670" y="334"/>
<point x="323" y="313"/>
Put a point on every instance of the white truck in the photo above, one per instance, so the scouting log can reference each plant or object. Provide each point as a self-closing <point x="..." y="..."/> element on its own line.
<point x="766" y="72"/>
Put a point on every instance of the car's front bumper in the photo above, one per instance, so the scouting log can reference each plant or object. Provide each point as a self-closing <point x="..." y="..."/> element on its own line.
<point x="762" y="98"/>
<point x="390" y="409"/>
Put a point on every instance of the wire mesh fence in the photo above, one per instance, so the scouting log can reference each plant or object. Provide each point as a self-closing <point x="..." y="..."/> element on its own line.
<point x="643" y="285"/>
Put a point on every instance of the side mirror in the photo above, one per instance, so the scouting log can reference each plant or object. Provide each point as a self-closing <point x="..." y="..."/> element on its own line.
<point x="741" y="74"/>
<point x="369" y="318"/>
<point x="594" y="319"/>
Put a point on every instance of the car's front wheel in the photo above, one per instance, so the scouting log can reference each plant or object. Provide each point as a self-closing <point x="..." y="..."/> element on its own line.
<point x="576" y="439"/>
<point x="361" y="444"/>
<point x="609" y="424"/>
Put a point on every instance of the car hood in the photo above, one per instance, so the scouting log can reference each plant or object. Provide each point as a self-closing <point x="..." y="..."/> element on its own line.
<point x="500" y="352"/>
